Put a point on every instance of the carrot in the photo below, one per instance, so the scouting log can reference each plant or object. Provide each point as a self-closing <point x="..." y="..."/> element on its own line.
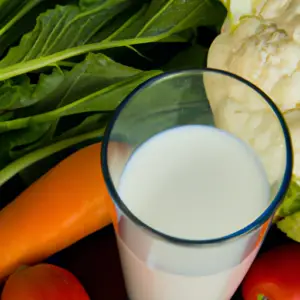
<point x="262" y="232"/>
<point x="63" y="206"/>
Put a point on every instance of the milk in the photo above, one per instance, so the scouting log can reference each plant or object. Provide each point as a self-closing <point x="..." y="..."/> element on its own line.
<point x="194" y="183"/>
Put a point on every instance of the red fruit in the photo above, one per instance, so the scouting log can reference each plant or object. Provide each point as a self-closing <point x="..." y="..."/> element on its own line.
<point x="43" y="282"/>
<point x="274" y="275"/>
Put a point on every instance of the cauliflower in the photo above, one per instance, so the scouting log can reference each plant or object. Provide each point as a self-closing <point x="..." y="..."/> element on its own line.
<point x="260" y="41"/>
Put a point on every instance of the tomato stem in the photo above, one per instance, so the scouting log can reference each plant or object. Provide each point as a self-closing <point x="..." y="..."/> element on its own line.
<point x="262" y="297"/>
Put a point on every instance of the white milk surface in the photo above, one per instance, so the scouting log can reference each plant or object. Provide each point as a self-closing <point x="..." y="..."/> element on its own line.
<point x="191" y="182"/>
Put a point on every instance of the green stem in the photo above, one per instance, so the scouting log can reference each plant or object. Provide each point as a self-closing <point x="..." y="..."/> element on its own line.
<point x="25" y="9"/>
<point x="70" y="108"/>
<point x="226" y="3"/>
<point x="139" y="53"/>
<point x="18" y="165"/>
<point x="64" y="63"/>
<point x="41" y="62"/>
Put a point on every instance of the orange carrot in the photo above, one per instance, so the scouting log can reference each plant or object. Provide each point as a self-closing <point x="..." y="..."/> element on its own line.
<point x="262" y="232"/>
<point x="65" y="205"/>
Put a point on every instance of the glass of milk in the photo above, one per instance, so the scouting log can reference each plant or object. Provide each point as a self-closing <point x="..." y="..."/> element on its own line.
<point x="196" y="163"/>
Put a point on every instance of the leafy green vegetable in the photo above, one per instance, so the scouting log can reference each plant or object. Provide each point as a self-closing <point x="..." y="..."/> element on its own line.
<point x="27" y="160"/>
<point x="95" y="85"/>
<point x="291" y="203"/>
<point x="16" y="139"/>
<point x="291" y="226"/>
<point x="12" y="11"/>
<point x="287" y="216"/>
<point x="57" y="90"/>
<point x="18" y="92"/>
<point x="5" y="116"/>
<point x="18" y="17"/>
<point x="34" y="171"/>
<point x="63" y="33"/>
<point x="62" y="28"/>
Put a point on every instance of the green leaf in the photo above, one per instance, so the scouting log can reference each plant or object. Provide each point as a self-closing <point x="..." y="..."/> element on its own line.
<point x="291" y="203"/>
<point x="19" y="17"/>
<point x="19" y="139"/>
<point x="18" y="92"/>
<point x="61" y="107"/>
<point x="48" y="136"/>
<point x="96" y="72"/>
<point x="106" y="99"/>
<point x="184" y="15"/>
<point x="27" y="160"/>
<point x="6" y="116"/>
<point x="288" y="214"/>
<point x="64" y="32"/>
<point x="120" y="23"/>
<point x="90" y="4"/>
<point x="89" y="124"/>
<point x="290" y="225"/>
<point x="12" y="11"/>
<point x="166" y="17"/>
<point x="20" y="143"/>
<point x="96" y="84"/>
<point x="193" y="57"/>
<point x="62" y="28"/>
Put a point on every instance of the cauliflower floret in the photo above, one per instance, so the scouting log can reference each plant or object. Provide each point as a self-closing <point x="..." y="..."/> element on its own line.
<point x="265" y="55"/>
<point x="265" y="49"/>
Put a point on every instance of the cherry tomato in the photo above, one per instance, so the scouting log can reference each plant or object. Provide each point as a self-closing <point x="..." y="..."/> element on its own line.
<point x="274" y="275"/>
<point x="43" y="282"/>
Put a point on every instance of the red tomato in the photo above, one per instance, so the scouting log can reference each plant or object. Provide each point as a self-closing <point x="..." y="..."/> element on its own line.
<point x="43" y="282"/>
<point x="275" y="275"/>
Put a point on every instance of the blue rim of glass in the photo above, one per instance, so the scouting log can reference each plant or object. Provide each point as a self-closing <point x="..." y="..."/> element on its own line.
<point x="264" y="217"/>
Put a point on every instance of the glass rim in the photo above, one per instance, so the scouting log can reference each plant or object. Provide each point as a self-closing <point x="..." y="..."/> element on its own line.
<point x="258" y="222"/>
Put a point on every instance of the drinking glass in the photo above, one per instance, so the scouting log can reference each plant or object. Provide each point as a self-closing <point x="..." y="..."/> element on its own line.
<point x="210" y="269"/>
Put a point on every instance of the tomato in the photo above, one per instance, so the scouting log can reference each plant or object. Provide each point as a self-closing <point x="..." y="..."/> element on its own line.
<point x="275" y="275"/>
<point x="43" y="282"/>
